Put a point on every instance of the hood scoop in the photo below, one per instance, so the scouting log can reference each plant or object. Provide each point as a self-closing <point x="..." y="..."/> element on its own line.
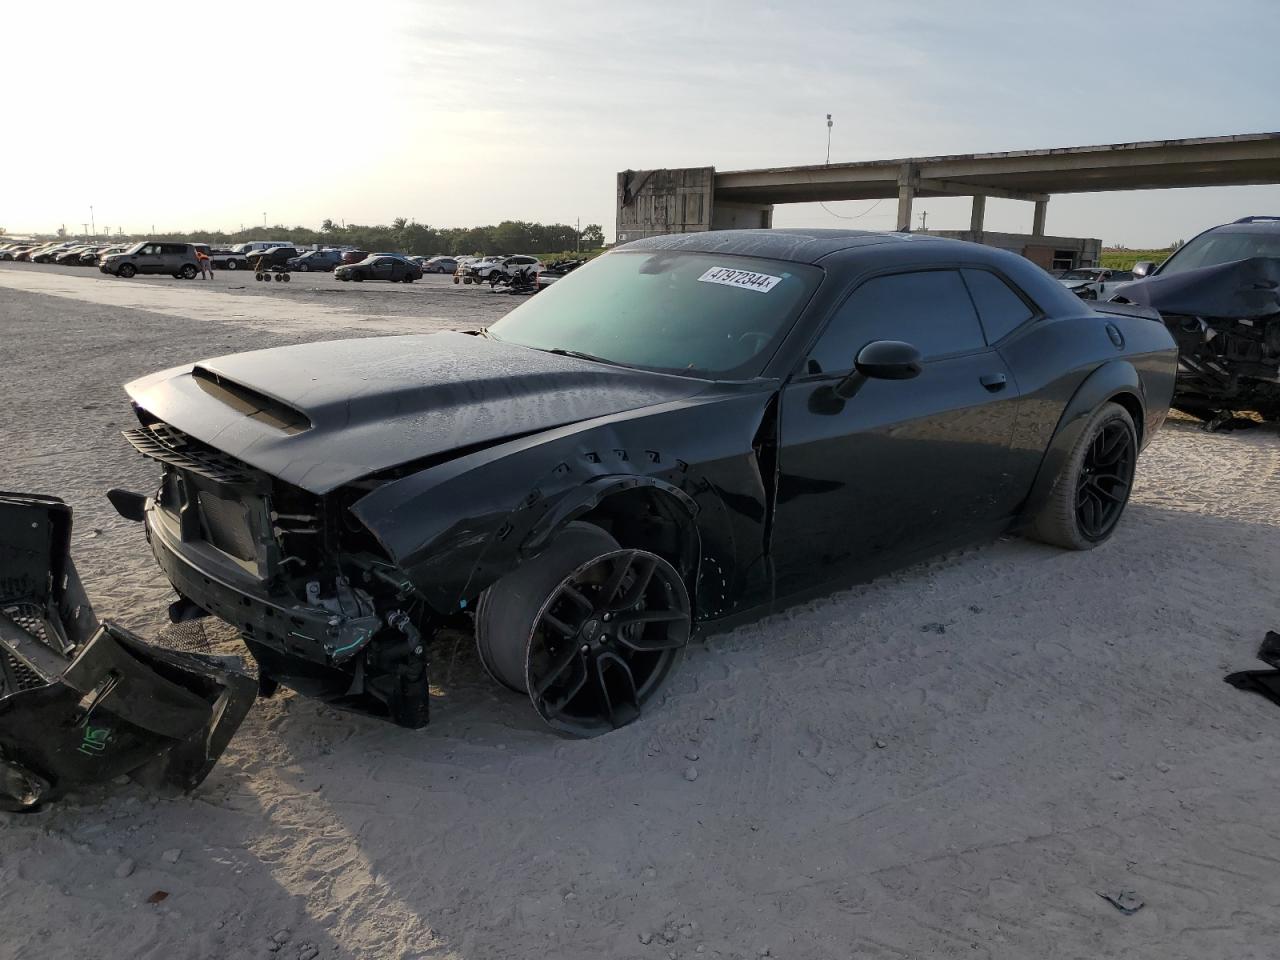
<point x="251" y="403"/>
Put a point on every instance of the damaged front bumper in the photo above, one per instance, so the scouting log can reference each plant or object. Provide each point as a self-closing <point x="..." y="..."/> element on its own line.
<point x="83" y="702"/>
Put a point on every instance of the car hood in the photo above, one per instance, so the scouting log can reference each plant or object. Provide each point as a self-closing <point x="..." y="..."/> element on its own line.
<point x="1237" y="289"/>
<point x="320" y="415"/>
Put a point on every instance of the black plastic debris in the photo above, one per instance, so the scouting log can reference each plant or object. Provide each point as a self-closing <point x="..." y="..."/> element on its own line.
<point x="84" y="702"/>
<point x="1264" y="682"/>
<point x="1126" y="901"/>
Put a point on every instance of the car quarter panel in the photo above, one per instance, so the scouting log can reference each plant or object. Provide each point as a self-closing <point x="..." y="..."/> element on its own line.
<point x="457" y="527"/>
<point x="1055" y="357"/>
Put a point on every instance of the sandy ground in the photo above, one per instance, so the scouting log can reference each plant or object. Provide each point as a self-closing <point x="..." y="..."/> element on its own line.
<point x="950" y="762"/>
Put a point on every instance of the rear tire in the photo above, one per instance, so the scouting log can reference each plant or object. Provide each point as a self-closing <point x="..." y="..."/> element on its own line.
<point x="188" y="272"/>
<point x="1090" y="494"/>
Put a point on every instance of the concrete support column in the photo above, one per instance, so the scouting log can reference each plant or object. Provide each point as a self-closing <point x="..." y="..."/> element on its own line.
<point x="908" y="177"/>
<point x="1037" y="222"/>
<point x="976" y="217"/>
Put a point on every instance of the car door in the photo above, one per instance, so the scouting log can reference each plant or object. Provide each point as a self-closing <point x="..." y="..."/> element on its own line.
<point x="150" y="259"/>
<point x="903" y="465"/>
<point x="381" y="269"/>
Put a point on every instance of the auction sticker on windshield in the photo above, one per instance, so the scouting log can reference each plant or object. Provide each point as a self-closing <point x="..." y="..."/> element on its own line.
<point x="742" y="279"/>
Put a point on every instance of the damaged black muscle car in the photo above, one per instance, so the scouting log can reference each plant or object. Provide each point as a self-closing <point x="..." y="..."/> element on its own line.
<point x="685" y="433"/>
<point x="1219" y="294"/>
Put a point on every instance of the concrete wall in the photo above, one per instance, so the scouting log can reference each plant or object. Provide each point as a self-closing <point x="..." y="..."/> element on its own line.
<point x="654" y="202"/>
<point x="729" y="215"/>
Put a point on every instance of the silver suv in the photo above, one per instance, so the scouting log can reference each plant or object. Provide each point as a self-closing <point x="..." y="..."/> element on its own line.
<point x="176" y="259"/>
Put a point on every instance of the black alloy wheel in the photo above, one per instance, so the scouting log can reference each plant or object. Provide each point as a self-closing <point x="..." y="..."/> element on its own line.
<point x="126" y="270"/>
<point x="605" y="640"/>
<point x="1106" y="474"/>
<point x="589" y="630"/>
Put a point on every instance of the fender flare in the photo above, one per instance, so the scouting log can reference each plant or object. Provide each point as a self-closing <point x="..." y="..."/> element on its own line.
<point x="1113" y="379"/>
<point x="585" y="498"/>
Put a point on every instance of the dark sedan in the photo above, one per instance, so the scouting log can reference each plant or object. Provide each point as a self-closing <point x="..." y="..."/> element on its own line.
<point x="380" y="266"/>
<point x="324" y="260"/>
<point x="688" y="431"/>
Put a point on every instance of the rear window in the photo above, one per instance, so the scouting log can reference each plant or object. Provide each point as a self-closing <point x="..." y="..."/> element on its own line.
<point x="999" y="308"/>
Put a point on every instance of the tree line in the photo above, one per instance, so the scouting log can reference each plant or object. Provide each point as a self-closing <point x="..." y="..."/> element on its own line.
<point x="406" y="236"/>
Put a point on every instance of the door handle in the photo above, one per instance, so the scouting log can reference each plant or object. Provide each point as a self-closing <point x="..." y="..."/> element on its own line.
<point x="994" y="382"/>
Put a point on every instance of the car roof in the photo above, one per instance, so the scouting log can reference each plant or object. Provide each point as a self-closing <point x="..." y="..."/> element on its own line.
<point x="795" y="245"/>
<point x="1247" y="225"/>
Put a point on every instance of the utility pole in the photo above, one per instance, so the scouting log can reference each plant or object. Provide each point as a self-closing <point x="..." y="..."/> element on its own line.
<point x="924" y="215"/>
<point x="264" y="219"/>
<point x="91" y="221"/>
<point x="86" y="229"/>
<point x="578" y="237"/>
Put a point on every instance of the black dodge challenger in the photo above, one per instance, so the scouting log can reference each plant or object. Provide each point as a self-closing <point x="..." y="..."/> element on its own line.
<point x="687" y="432"/>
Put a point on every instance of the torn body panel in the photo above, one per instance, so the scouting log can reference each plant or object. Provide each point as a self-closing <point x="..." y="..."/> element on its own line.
<point x="83" y="702"/>
<point x="473" y="520"/>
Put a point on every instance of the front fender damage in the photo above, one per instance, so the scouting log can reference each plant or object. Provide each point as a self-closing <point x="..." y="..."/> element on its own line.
<point x="83" y="702"/>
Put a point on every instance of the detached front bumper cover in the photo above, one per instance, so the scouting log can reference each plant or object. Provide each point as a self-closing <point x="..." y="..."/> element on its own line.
<point x="83" y="702"/>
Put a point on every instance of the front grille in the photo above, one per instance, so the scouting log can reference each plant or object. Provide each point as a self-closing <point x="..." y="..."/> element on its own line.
<point x="159" y="441"/>
<point x="15" y="675"/>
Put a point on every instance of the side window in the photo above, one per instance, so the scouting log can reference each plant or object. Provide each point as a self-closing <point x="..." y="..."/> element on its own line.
<point x="1001" y="310"/>
<point x="930" y="309"/>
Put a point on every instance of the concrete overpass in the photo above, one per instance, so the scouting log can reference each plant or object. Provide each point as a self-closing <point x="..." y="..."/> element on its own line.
<point x="702" y="198"/>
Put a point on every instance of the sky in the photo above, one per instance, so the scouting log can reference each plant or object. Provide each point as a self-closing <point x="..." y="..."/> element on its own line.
<point x="209" y="116"/>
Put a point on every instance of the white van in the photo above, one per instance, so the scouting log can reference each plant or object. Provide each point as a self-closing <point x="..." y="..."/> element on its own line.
<point x="254" y="245"/>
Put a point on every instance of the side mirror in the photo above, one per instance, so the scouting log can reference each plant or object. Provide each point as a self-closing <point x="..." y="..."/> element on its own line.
<point x="1143" y="268"/>
<point x="880" y="360"/>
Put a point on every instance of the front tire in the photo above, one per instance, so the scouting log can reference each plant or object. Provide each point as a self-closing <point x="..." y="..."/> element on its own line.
<point x="1091" y="492"/>
<point x="127" y="271"/>
<point x="188" y="272"/>
<point x="591" y="631"/>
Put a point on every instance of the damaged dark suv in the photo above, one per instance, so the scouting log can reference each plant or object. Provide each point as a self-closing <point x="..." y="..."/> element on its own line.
<point x="688" y="431"/>
<point x="1219" y="295"/>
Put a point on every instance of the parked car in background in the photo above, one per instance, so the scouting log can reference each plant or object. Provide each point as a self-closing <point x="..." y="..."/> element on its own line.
<point x="175" y="259"/>
<point x="251" y="246"/>
<point x="47" y="253"/>
<point x="380" y="266"/>
<point x="15" y="251"/>
<point x="102" y="253"/>
<point x="1219" y="295"/>
<point x="71" y="256"/>
<point x="440" y="265"/>
<point x="322" y="260"/>
<point x="1094" y="283"/>
<point x="355" y="256"/>
<point x="275" y="259"/>
<point x="23" y="254"/>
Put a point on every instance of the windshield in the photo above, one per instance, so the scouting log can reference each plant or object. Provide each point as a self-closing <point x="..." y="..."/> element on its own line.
<point x="700" y="313"/>
<point x="137" y="246"/>
<point x="1079" y="275"/>
<point x="1222" y="246"/>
